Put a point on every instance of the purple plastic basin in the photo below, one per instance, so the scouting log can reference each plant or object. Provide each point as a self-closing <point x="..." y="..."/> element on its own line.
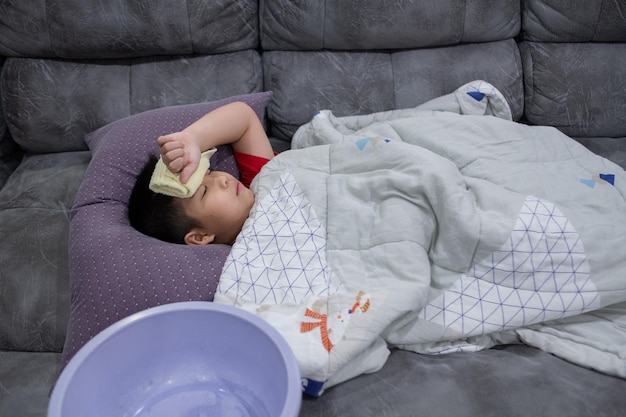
<point x="182" y="359"/>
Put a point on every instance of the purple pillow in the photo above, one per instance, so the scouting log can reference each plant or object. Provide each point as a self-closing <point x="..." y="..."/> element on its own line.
<point x="115" y="270"/>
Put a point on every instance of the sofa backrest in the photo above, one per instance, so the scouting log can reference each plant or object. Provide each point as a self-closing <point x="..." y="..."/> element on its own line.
<point x="383" y="55"/>
<point x="109" y="60"/>
<point x="77" y="65"/>
<point x="376" y="24"/>
<point x="83" y="29"/>
<point x="575" y="66"/>
<point x="10" y="154"/>
<point x="57" y="101"/>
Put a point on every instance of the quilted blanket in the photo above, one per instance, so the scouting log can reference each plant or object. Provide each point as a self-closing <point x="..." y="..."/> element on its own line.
<point x="443" y="228"/>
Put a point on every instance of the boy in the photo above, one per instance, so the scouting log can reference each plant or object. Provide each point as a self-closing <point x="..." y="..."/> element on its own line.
<point x="217" y="210"/>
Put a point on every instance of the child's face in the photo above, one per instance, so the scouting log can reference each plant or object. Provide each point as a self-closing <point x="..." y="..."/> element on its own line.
<point x="221" y="205"/>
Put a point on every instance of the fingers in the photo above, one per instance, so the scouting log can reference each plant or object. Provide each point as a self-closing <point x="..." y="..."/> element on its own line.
<point x="168" y="144"/>
<point x="173" y="153"/>
<point x="192" y="160"/>
<point x="162" y="140"/>
<point x="179" y="154"/>
<point x="174" y="157"/>
<point x="185" y="174"/>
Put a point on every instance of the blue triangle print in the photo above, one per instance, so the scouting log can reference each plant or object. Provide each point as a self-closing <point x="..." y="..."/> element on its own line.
<point x="362" y="142"/>
<point x="476" y="95"/>
<point x="610" y="178"/>
<point x="588" y="183"/>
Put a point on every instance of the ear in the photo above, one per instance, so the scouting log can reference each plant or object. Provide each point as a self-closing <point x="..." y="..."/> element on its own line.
<point x="198" y="236"/>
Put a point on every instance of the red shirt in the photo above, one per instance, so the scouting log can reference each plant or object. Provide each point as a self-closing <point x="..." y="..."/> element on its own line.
<point x="249" y="166"/>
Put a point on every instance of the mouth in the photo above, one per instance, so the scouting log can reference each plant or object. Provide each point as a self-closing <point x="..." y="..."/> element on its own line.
<point x="237" y="188"/>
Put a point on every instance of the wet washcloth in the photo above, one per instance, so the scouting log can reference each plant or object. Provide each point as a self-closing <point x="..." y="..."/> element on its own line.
<point x="166" y="182"/>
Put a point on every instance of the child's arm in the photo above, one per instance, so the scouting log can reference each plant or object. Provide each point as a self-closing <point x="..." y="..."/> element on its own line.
<point x="235" y="123"/>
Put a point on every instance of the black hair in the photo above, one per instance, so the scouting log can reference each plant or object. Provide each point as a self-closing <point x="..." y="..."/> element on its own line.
<point x="157" y="215"/>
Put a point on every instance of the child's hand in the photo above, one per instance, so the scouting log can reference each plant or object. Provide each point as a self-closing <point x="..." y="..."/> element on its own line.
<point x="180" y="154"/>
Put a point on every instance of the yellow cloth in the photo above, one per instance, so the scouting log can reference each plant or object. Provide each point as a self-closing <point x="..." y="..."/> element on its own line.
<point x="166" y="182"/>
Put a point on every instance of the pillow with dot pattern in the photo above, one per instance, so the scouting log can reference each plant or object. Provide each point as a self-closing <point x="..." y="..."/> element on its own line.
<point x="115" y="270"/>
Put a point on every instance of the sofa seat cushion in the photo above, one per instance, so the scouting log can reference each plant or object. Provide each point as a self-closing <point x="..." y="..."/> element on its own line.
<point x="25" y="382"/>
<point x="511" y="380"/>
<point x="34" y="217"/>
<point x="115" y="270"/>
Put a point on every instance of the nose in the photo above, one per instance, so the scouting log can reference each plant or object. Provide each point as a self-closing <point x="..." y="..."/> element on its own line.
<point x="219" y="181"/>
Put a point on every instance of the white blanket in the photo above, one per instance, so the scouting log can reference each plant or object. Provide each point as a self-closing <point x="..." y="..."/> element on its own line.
<point x="443" y="228"/>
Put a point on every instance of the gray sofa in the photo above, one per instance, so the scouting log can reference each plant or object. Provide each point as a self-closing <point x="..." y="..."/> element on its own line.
<point x="70" y="67"/>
